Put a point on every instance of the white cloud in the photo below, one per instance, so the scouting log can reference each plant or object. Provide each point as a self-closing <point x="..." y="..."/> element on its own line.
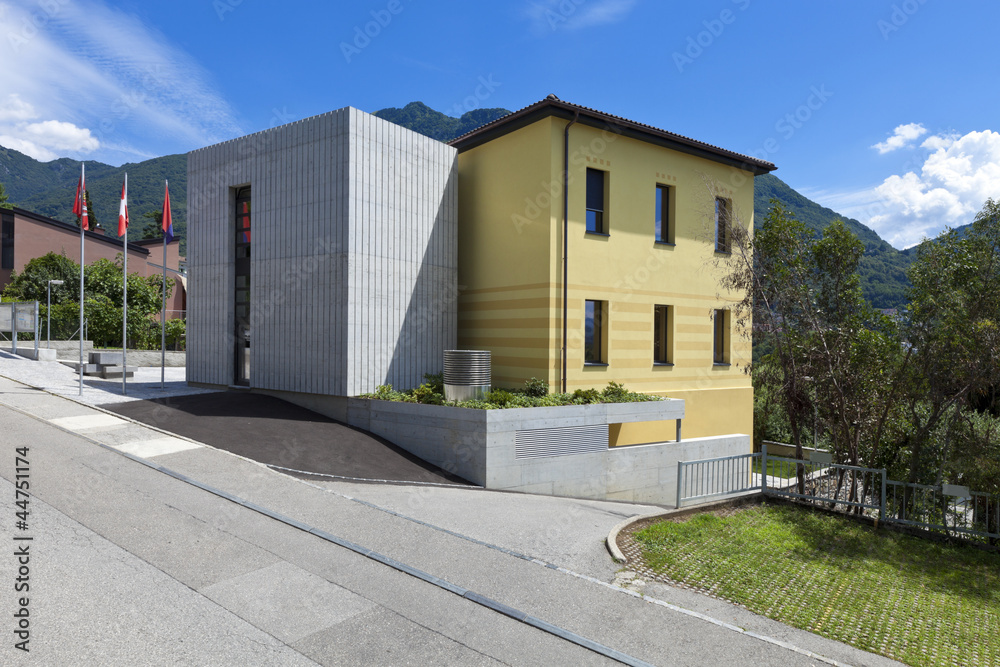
<point x="948" y="185"/>
<point x="14" y="108"/>
<point x="902" y="136"/>
<point x="552" y="15"/>
<point x="49" y="140"/>
<point x="93" y="68"/>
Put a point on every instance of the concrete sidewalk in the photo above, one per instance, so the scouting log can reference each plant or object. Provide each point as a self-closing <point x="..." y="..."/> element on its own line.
<point x="250" y="572"/>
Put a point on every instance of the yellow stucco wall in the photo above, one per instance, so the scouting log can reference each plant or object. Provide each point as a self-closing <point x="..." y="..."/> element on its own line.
<point x="510" y="272"/>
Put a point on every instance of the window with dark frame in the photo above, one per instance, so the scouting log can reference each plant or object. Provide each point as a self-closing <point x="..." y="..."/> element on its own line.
<point x="595" y="202"/>
<point x="723" y="214"/>
<point x="661" y="335"/>
<point x="242" y="286"/>
<point x="720" y="354"/>
<point x="593" y="350"/>
<point x="664" y="221"/>
<point x="7" y="242"/>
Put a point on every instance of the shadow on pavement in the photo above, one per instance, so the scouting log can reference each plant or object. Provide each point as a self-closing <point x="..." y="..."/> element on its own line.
<point x="277" y="433"/>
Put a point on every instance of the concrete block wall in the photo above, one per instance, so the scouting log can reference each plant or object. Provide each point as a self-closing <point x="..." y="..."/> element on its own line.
<point x="353" y="258"/>
<point x="479" y="445"/>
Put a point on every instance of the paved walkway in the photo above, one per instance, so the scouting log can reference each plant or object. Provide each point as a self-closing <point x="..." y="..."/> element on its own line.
<point x="155" y="549"/>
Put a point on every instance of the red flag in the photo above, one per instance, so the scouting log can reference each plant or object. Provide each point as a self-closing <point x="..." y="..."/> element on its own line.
<point x="123" y="213"/>
<point x="80" y="202"/>
<point x="77" y="208"/>
<point x="168" y="223"/>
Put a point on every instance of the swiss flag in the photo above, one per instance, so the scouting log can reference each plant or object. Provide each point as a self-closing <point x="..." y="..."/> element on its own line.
<point x="123" y="210"/>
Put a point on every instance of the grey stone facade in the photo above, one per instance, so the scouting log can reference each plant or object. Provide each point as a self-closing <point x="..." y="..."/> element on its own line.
<point x="353" y="265"/>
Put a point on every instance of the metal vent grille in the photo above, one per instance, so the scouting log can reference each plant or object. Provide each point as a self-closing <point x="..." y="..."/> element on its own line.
<point x="542" y="442"/>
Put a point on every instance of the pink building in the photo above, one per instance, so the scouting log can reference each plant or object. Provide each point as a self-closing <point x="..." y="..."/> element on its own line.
<point x="25" y="235"/>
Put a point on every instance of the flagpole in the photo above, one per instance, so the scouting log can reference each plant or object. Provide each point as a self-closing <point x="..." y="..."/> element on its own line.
<point x="163" y="313"/>
<point x="83" y="195"/>
<point x="125" y="292"/>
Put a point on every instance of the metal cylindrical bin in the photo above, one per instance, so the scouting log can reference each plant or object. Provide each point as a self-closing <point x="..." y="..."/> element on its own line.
<point x="467" y="374"/>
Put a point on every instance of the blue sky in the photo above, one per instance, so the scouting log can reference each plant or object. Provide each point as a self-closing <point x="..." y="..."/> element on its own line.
<point x="885" y="110"/>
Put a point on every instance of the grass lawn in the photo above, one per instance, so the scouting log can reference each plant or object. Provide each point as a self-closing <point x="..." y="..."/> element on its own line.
<point x="917" y="601"/>
<point x="781" y="469"/>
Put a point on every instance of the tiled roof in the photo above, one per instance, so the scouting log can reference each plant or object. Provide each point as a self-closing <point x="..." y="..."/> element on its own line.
<point x="552" y="105"/>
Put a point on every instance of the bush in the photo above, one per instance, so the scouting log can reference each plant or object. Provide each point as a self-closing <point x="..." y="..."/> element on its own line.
<point x="536" y="388"/>
<point x="586" y="396"/>
<point x="175" y="333"/>
<point x="500" y="397"/>
<point x="426" y="393"/>
<point x="615" y="392"/>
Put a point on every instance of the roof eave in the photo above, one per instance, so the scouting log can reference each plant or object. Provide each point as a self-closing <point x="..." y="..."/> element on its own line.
<point x="567" y="111"/>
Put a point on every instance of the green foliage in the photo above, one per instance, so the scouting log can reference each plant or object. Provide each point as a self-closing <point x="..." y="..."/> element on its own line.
<point x="882" y="268"/>
<point x="419" y="117"/>
<point x="152" y="228"/>
<point x="175" y="332"/>
<point x="586" y="396"/>
<point x="435" y="381"/>
<point x="535" y="387"/>
<point x="615" y="392"/>
<point x="431" y="393"/>
<point x="3" y="198"/>
<point x="941" y="601"/>
<point x="102" y="299"/>
<point x="47" y="188"/>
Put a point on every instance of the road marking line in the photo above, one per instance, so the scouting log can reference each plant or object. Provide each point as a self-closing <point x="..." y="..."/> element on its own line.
<point x="148" y="449"/>
<point x="89" y="422"/>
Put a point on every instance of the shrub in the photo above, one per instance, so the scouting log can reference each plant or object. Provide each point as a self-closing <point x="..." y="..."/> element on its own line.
<point x="535" y="387"/>
<point x="426" y="393"/>
<point x="435" y="381"/>
<point x="500" y="397"/>
<point x="586" y="396"/>
<point x="615" y="392"/>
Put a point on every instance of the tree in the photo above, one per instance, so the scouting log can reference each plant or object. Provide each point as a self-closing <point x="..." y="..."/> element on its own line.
<point x="832" y="356"/>
<point x="953" y="328"/>
<point x="102" y="298"/>
<point x="3" y="198"/>
<point x="91" y="214"/>
<point x="153" y="228"/>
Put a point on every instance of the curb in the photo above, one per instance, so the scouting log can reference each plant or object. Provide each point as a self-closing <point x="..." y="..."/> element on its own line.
<point x="612" y="540"/>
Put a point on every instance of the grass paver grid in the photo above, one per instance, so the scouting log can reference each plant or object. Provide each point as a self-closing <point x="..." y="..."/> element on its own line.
<point x="917" y="601"/>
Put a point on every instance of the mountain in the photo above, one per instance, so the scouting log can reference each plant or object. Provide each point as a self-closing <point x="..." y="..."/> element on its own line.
<point x="47" y="188"/>
<point x="882" y="268"/>
<point x="419" y="117"/>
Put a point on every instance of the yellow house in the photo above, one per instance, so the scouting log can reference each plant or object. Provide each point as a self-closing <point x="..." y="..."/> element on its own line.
<point x="587" y="246"/>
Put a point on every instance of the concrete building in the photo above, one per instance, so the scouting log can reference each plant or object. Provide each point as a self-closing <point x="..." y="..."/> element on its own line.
<point x="25" y="235"/>
<point x="322" y="257"/>
<point x="343" y="252"/>
<point x="636" y="213"/>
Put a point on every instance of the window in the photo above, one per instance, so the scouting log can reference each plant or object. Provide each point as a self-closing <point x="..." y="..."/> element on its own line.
<point x="594" y="348"/>
<point x="664" y="221"/>
<point x="242" y="286"/>
<point x="662" y="320"/>
<point x="595" y="202"/>
<point x="720" y="346"/>
<point x="723" y="214"/>
<point x="7" y="242"/>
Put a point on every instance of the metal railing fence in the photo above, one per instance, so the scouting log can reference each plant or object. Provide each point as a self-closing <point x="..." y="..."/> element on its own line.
<point x="953" y="510"/>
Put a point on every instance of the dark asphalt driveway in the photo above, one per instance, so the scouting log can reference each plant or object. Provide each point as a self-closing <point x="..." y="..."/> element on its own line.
<point x="277" y="433"/>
